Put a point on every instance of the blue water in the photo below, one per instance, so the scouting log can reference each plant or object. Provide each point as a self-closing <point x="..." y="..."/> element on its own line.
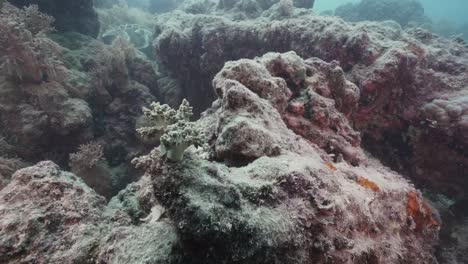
<point x="455" y="11"/>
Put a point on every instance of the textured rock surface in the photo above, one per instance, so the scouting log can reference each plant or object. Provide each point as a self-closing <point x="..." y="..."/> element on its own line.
<point x="315" y="106"/>
<point x="51" y="216"/>
<point x="48" y="216"/>
<point x="283" y="199"/>
<point x="77" y="15"/>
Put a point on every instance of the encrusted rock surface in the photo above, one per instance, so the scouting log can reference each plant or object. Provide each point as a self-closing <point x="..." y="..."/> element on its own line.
<point x="51" y="216"/>
<point x="48" y="216"/>
<point x="313" y="97"/>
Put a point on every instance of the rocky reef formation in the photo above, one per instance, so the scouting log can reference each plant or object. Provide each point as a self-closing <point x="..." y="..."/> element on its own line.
<point x="267" y="194"/>
<point x="402" y="11"/>
<point x="77" y="16"/>
<point x="277" y="170"/>
<point x="259" y="192"/>
<point x="409" y="81"/>
<point x="398" y="72"/>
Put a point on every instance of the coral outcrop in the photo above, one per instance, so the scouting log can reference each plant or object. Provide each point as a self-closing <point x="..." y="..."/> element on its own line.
<point x="261" y="191"/>
<point x="313" y="97"/>
<point x="44" y="209"/>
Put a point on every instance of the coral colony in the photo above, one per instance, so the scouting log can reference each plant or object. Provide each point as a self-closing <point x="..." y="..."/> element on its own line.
<point x="231" y="131"/>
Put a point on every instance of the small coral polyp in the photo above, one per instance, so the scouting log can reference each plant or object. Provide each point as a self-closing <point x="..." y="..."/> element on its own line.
<point x="178" y="132"/>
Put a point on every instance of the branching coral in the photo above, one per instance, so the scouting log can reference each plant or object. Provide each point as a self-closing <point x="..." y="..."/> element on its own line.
<point x="179" y="132"/>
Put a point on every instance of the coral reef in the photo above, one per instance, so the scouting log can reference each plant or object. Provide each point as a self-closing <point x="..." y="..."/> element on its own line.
<point x="35" y="101"/>
<point x="78" y="16"/>
<point x="26" y="52"/>
<point x="398" y="72"/>
<point x="260" y="192"/>
<point x="311" y="129"/>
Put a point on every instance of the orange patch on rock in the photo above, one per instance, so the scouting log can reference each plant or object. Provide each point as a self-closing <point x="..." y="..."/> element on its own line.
<point x="420" y="212"/>
<point x="368" y="184"/>
<point x="330" y="166"/>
